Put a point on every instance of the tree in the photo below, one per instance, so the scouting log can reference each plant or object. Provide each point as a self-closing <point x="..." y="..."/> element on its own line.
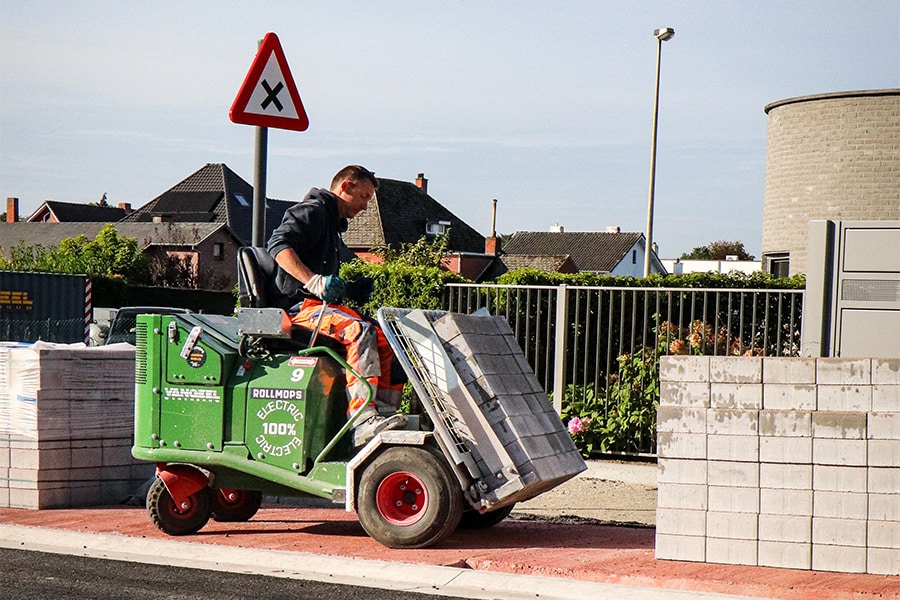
<point x="719" y="251"/>
<point x="101" y="202"/>
<point x="107" y="255"/>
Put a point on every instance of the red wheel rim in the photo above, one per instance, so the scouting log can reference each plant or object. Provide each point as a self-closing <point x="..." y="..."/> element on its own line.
<point x="231" y="498"/>
<point x="401" y="498"/>
<point x="182" y="512"/>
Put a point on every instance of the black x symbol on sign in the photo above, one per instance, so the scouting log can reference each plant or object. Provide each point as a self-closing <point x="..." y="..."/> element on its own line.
<point x="272" y="95"/>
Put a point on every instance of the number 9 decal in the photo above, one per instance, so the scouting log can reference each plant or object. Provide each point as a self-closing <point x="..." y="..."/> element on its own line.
<point x="297" y="375"/>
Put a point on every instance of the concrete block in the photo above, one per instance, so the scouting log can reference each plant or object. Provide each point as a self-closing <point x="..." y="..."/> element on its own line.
<point x="848" y="398"/>
<point x="844" y="559"/>
<point x="886" y="371"/>
<point x="733" y="552"/>
<point x="883" y="453"/>
<point x="785" y="555"/>
<point x="723" y="421"/>
<point x="786" y="502"/>
<point x="785" y="528"/>
<point x="733" y="474"/>
<point x="883" y="507"/>
<point x="680" y="420"/>
<point x="839" y="532"/>
<point x="785" y="476"/>
<point x="684" y="393"/>
<point x="677" y="521"/>
<point x="883" y="426"/>
<point x="733" y="447"/>
<point x="789" y="370"/>
<point x="735" y="369"/>
<point x="840" y="505"/>
<point x="684" y="368"/>
<point x="785" y="423"/>
<point x="883" y="561"/>
<point x="883" y="534"/>
<point x="787" y="396"/>
<point x="730" y="525"/>
<point x="785" y="449"/>
<point x="883" y="480"/>
<point x="734" y="499"/>
<point x="670" y="470"/>
<point x="680" y="547"/>
<point x="735" y="395"/>
<point x="681" y="445"/>
<point x="885" y="398"/>
<point x="838" y="425"/>
<point x="831" y="478"/>
<point x="840" y="452"/>
<point x="844" y="371"/>
<point x="682" y="495"/>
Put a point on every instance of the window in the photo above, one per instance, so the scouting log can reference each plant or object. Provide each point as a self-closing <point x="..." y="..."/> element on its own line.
<point x="634" y="257"/>
<point x="778" y="264"/>
<point x="437" y="227"/>
<point x="219" y="251"/>
<point x="241" y="200"/>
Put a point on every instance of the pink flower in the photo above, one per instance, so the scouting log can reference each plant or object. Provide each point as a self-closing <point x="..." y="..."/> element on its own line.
<point x="575" y="426"/>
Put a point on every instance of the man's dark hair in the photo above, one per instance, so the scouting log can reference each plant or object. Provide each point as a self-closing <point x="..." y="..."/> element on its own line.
<point x="354" y="174"/>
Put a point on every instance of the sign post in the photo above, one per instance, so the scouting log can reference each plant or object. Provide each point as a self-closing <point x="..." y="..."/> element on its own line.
<point x="267" y="98"/>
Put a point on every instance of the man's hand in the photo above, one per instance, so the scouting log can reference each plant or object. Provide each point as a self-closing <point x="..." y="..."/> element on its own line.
<point x="330" y="288"/>
<point x="360" y="289"/>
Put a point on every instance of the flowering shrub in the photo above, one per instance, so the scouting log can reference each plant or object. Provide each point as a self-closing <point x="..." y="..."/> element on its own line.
<point x="622" y="416"/>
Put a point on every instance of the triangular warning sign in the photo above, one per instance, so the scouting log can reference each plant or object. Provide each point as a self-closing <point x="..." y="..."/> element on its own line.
<point x="269" y="97"/>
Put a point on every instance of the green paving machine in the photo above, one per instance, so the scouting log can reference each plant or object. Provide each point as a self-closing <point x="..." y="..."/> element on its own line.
<point x="236" y="409"/>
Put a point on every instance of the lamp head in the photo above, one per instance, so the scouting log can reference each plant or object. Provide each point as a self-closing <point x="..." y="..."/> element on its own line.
<point x="665" y="34"/>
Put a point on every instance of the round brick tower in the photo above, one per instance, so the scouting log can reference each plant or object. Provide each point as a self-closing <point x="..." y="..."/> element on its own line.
<point x="828" y="156"/>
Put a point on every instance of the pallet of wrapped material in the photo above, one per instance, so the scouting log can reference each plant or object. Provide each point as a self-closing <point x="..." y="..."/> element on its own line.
<point x="69" y="391"/>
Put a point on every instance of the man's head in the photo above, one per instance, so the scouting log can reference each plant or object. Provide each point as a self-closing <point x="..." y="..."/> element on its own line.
<point x="355" y="186"/>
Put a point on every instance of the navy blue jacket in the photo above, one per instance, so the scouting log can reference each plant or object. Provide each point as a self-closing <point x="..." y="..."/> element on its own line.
<point x="313" y="228"/>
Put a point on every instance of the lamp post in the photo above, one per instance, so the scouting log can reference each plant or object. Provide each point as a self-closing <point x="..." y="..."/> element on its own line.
<point x="662" y="35"/>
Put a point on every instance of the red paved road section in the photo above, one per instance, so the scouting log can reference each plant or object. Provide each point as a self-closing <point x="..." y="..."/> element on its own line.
<point x="584" y="551"/>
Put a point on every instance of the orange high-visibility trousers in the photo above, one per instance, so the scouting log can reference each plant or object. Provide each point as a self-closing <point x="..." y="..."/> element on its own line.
<point x="368" y="352"/>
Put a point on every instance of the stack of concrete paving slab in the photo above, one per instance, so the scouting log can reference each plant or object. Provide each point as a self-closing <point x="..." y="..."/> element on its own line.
<point x="68" y="426"/>
<point x="519" y="443"/>
<point x="782" y="462"/>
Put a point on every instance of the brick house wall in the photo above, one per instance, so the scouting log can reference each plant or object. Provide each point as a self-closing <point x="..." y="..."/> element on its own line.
<point x="829" y="156"/>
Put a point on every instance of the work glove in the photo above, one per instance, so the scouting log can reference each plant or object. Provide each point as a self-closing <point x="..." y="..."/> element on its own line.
<point x="360" y="289"/>
<point x="329" y="288"/>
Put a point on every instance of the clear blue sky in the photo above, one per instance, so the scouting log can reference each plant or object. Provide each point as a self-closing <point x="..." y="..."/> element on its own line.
<point x="546" y="106"/>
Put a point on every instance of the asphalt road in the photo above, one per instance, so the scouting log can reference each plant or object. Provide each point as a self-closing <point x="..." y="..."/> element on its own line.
<point x="29" y="575"/>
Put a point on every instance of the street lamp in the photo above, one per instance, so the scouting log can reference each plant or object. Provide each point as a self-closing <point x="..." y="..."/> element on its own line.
<point x="662" y="35"/>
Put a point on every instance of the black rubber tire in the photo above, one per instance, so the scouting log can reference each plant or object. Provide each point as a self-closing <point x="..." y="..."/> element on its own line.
<point x="472" y="519"/>
<point x="409" y="498"/>
<point x="231" y="506"/>
<point x="175" y="520"/>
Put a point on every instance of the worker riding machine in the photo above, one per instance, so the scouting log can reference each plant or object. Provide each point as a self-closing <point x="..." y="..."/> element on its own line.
<point x="232" y="409"/>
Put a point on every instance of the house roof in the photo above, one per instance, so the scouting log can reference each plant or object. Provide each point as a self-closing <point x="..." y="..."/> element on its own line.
<point x="561" y="263"/>
<point x="590" y="251"/>
<point x="146" y="234"/>
<point x="212" y="194"/>
<point x="67" y="212"/>
<point x="400" y="214"/>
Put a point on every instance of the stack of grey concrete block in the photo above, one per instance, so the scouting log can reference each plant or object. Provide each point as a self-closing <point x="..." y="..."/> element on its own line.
<point x="781" y="462"/>
<point x="68" y="426"/>
<point x="499" y="381"/>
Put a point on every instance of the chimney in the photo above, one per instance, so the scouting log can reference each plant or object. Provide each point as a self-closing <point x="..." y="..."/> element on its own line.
<point x="422" y="183"/>
<point x="126" y="206"/>
<point x="612" y="229"/>
<point x="557" y="228"/>
<point x="12" y="210"/>
<point x="492" y="244"/>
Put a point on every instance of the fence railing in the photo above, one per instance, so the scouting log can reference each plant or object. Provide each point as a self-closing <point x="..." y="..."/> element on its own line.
<point x="575" y="337"/>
